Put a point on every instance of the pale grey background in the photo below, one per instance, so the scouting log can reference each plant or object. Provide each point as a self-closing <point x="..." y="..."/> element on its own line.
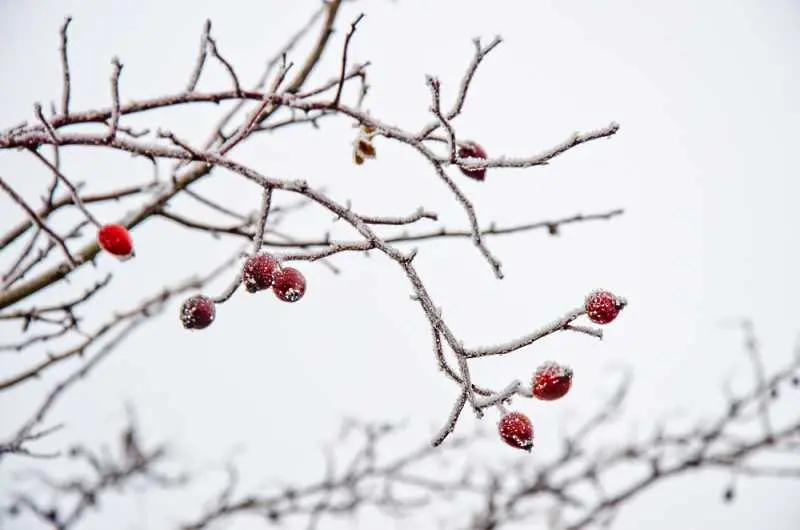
<point x="706" y="93"/>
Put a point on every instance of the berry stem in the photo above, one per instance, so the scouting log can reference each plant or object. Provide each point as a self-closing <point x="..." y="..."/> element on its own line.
<point x="266" y="202"/>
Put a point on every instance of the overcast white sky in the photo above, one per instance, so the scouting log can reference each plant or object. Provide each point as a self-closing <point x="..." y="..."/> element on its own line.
<point x="706" y="94"/>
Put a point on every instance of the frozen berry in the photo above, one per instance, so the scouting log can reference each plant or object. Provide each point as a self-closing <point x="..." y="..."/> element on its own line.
<point x="116" y="240"/>
<point x="516" y="430"/>
<point x="259" y="272"/>
<point x="198" y="312"/>
<point x="472" y="150"/>
<point x="289" y="284"/>
<point x="551" y="381"/>
<point x="603" y="307"/>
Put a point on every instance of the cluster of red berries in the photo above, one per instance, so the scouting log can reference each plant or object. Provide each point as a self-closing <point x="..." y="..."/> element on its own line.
<point x="551" y="380"/>
<point x="263" y="271"/>
<point x="260" y="272"/>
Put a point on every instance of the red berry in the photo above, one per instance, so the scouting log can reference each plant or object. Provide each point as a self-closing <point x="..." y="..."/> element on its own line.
<point x="551" y="381"/>
<point x="259" y="272"/>
<point x="289" y="285"/>
<point x="602" y="307"/>
<point x="198" y="312"/>
<point x="472" y="150"/>
<point x="516" y="430"/>
<point x="116" y="240"/>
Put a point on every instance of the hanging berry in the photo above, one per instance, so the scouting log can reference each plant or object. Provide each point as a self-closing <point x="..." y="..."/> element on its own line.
<point x="289" y="285"/>
<point x="602" y="307"/>
<point x="259" y="272"/>
<point x="551" y="381"/>
<point x="116" y="240"/>
<point x="198" y="312"/>
<point x="516" y="430"/>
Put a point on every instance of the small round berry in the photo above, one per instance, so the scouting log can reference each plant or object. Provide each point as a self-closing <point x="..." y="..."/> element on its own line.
<point x="259" y="272"/>
<point x="198" y="312"/>
<point x="551" y="381"/>
<point x="472" y="150"/>
<point x="116" y="240"/>
<point x="516" y="430"/>
<point x="289" y="285"/>
<point x="603" y="307"/>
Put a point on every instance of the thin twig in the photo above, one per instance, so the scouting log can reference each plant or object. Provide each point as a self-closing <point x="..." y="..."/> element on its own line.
<point x="343" y="71"/>
<point x="37" y="108"/>
<point x="38" y="220"/>
<point x="115" y="109"/>
<point x="201" y="58"/>
<point x="73" y="191"/>
<point x="261" y="223"/>
<point x="212" y="44"/>
<point x="65" y="97"/>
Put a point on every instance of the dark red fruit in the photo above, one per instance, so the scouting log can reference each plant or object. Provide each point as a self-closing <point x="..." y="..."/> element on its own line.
<point x="472" y="150"/>
<point x="603" y="307"/>
<point x="259" y="272"/>
<point x="551" y="381"/>
<point x="198" y="312"/>
<point x="116" y="240"/>
<point x="516" y="430"/>
<point x="289" y="285"/>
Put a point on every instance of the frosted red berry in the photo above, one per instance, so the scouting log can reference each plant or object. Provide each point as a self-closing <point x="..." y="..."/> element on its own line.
<point x="198" y="312"/>
<point x="289" y="284"/>
<point x="551" y="381"/>
<point x="259" y="272"/>
<point x="516" y="430"/>
<point x="116" y="240"/>
<point x="472" y="150"/>
<point x="603" y="307"/>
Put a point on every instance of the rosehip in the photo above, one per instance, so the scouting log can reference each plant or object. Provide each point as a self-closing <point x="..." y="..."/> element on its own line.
<point x="516" y="430"/>
<point x="551" y="381"/>
<point x="116" y="240"/>
<point x="472" y="150"/>
<point x="198" y="312"/>
<point x="289" y="284"/>
<point x="259" y="272"/>
<point x="602" y="307"/>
